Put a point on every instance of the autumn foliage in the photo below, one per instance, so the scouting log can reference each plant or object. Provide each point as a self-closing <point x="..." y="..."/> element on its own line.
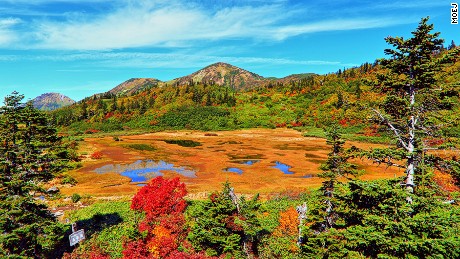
<point x="163" y="203"/>
<point x="288" y="223"/>
<point x="96" y="155"/>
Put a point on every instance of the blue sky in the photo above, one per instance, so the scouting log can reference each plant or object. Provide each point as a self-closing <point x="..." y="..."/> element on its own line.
<point x="83" y="47"/>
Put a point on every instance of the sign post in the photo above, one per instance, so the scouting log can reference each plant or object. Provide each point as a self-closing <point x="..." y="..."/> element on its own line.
<point x="77" y="235"/>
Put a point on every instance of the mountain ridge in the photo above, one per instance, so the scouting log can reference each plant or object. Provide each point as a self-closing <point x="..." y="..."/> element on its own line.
<point x="219" y="73"/>
<point x="134" y="85"/>
<point x="222" y="74"/>
<point x="51" y="101"/>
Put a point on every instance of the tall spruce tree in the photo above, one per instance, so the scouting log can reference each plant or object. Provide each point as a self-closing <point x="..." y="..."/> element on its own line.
<point x="29" y="156"/>
<point x="412" y="96"/>
<point x="225" y="224"/>
<point x="335" y="167"/>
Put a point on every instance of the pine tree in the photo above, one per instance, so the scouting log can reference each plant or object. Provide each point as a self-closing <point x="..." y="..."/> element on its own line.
<point x="412" y="95"/>
<point x="29" y="156"/>
<point x="452" y="45"/>
<point x="336" y="166"/>
<point x="225" y="224"/>
<point x="114" y="105"/>
<point x="84" y="110"/>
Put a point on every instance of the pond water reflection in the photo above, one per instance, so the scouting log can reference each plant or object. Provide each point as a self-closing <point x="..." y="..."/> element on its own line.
<point x="233" y="170"/>
<point x="246" y="162"/>
<point x="283" y="167"/>
<point x="143" y="170"/>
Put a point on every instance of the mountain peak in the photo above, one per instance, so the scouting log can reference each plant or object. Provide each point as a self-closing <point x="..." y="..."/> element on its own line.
<point x="51" y="101"/>
<point x="223" y="74"/>
<point x="134" y="85"/>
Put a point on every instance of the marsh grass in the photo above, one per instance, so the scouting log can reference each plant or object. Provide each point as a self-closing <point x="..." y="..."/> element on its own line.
<point x="141" y="147"/>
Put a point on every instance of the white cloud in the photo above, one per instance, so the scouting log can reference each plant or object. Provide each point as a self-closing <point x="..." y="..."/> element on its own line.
<point x="180" y="24"/>
<point x="161" y="60"/>
<point x="334" y="25"/>
<point x="141" y="25"/>
<point x="7" y="33"/>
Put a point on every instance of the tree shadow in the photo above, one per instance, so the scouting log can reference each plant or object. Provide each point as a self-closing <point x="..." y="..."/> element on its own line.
<point x="98" y="222"/>
<point x="91" y="226"/>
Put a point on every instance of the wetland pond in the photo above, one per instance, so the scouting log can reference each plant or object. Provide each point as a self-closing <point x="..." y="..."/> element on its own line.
<point x="144" y="170"/>
<point x="248" y="162"/>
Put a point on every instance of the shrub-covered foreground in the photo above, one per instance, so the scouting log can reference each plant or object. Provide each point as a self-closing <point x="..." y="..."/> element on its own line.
<point x="372" y="219"/>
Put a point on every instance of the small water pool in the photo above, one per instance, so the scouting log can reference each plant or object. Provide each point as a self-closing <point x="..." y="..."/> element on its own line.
<point x="233" y="170"/>
<point x="246" y="162"/>
<point x="143" y="170"/>
<point x="283" y="167"/>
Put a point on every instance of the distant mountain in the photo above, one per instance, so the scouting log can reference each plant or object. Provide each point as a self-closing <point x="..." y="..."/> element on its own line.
<point x="222" y="74"/>
<point x="133" y="86"/>
<point x="51" y="101"/>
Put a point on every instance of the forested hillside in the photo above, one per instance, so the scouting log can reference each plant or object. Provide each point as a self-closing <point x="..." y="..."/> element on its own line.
<point x="301" y="101"/>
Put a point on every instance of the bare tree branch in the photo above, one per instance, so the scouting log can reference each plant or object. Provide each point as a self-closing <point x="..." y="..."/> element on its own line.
<point x="395" y="131"/>
<point x="387" y="162"/>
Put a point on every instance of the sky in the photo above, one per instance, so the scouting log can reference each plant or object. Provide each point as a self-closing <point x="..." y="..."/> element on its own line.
<point x="79" y="48"/>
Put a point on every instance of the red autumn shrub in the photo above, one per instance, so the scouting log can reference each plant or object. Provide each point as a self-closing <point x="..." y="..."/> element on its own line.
<point x="136" y="250"/>
<point x="296" y="123"/>
<point x="160" y="197"/>
<point x="108" y="115"/>
<point x="96" y="155"/>
<point x="91" y="131"/>
<point x="163" y="203"/>
<point x="343" y="122"/>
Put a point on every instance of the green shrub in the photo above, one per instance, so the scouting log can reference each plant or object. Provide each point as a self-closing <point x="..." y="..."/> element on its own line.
<point x="75" y="197"/>
<point x="141" y="147"/>
<point x="67" y="179"/>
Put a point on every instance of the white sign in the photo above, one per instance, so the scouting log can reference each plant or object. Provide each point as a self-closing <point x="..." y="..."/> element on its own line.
<point x="76" y="237"/>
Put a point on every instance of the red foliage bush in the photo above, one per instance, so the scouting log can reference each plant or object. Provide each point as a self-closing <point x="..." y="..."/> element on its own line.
<point x="183" y="255"/>
<point x="160" y="197"/>
<point x="94" y="252"/>
<point x="435" y="142"/>
<point x="445" y="181"/>
<point x="296" y="123"/>
<point x="371" y="131"/>
<point x="91" y="131"/>
<point x="108" y="115"/>
<point x="96" y="155"/>
<point x="136" y="250"/>
<point x="163" y="202"/>
<point x="231" y="224"/>
<point x="343" y="122"/>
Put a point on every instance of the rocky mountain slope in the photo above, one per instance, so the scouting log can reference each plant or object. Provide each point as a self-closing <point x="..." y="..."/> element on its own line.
<point x="222" y="74"/>
<point x="51" y="101"/>
<point x="133" y="86"/>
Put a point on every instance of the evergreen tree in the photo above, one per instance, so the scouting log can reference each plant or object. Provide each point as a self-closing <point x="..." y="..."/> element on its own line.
<point x="225" y="224"/>
<point x="114" y="105"/>
<point x="412" y="95"/>
<point x="372" y="222"/>
<point x="122" y="106"/>
<point x="29" y="156"/>
<point x="336" y="167"/>
<point x="84" y="110"/>
<point x="101" y="106"/>
<point x="452" y="45"/>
